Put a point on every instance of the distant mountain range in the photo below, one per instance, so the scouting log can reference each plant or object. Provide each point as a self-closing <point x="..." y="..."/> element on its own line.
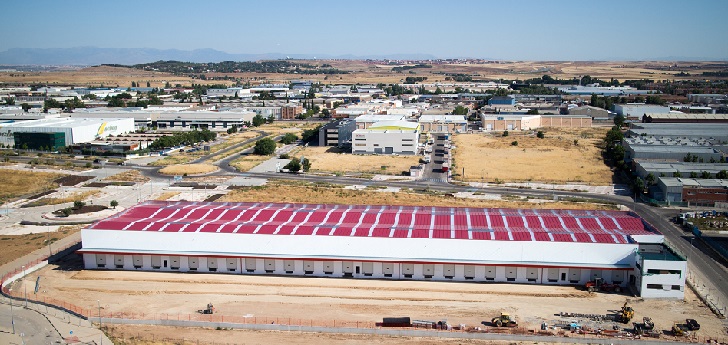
<point x="85" y="56"/>
<point x="131" y="56"/>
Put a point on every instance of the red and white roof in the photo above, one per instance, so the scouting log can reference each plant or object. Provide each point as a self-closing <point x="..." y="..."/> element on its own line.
<point x="423" y="222"/>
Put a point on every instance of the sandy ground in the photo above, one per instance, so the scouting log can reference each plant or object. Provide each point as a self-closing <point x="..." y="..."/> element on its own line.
<point x="552" y="159"/>
<point x="326" y="159"/>
<point x="323" y="300"/>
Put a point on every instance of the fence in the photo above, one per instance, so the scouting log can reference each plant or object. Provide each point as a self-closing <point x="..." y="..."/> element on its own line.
<point x="110" y="318"/>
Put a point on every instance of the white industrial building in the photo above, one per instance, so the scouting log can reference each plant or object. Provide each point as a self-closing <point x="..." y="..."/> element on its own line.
<point x="388" y="242"/>
<point x="387" y="137"/>
<point x="75" y="130"/>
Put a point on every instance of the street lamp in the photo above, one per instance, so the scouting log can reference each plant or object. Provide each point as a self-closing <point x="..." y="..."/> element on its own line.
<point x="102" y="332"/>
<point x="12" y="317"/>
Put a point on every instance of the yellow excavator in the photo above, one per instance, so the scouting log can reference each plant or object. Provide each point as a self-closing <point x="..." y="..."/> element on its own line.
<point x="626" y="313"/>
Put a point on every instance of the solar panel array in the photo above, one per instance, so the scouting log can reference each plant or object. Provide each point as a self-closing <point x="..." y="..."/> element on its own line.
<point x="586" y="226"/>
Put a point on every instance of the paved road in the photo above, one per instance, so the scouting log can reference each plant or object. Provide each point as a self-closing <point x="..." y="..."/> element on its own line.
<point x="31" y="327"/>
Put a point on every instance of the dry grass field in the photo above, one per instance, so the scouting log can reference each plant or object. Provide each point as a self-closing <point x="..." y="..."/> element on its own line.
<point x="554" y="159"/>
<point x="95" y="76"/>
<point x="128" y="176"/>
<point x="300" y="192"/>
<point x="20" y="245"/>
<point x="189" y="169"/>
<point x="328" y="159"/>
<point x="18" y="182"/>
<point x="247" y="162"/>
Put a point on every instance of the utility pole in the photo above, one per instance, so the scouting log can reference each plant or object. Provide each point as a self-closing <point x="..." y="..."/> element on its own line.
<point x="26" y="288"/>
<point x="102" y="332"/>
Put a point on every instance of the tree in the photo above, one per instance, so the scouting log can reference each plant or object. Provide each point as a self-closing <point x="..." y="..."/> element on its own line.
<point x="258" y="120"/>
<point x="677" y="174"/>
<point x="705" y="175"/>
<point x="638" y="185"/>
<point x="723" y="174"/>
<point x="114" y="203"/>
<point x="650" y="179"/>
<point x="305" y="164"/>
<point x="66" y="212"/>
<point x="594" y="100"/>
<point x="264" y="147"/>
<point x="294" y="165"/>
<point x="149" y="84"/>
<point x="540" y="135"/>
<point x="460" y="110"/>
<point x="325" y="113"/>
<point x="505" y="133"/>
<point x="514" y="143"/>
<point x="533" y="111"/>
<point x="78" y="204"/>
<point x="693" y="174"/>
<point x="289" y="138"/>
<point x="619" y="121"/>
<point x="25" y="107"/>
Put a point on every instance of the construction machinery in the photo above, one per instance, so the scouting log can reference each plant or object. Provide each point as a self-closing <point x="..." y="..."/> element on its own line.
<point x="625" y="314"/>
<point x="680" y="329"/>
<point x="692" y="324"/>
<point x="504" y="320"/>
<point x="646" y="328"/>
<point x="209" y="310"/>
<point x="598" y="284"/>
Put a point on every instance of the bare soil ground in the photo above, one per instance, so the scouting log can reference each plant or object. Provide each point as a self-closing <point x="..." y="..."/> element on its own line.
<point x="249" y="161"/>
<point x="190" y="169"/>
<point x="553" y="159"/>
<point x="128" y="176"/>
<point x="329" y="159"/>
<point x="286" y="191"/>
<point x="348" y="301"/>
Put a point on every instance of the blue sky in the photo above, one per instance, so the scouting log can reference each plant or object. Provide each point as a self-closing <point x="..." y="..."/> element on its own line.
<point x="505" y="29"/>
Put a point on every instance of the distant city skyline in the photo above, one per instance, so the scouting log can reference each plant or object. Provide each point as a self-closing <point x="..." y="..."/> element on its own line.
<point x="504" y="30"/>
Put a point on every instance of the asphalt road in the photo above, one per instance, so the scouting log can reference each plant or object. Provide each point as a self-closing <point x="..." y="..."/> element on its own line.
<point x="31" y="327"/>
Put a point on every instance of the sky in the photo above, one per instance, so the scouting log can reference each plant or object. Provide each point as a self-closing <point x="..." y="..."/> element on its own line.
<point x="504" y="29"/>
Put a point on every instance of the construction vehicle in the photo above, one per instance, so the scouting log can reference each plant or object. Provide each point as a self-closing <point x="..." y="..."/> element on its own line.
<point x="625" y="314"/>
<point x="504" y="320"/>
<point x="646" y="328"/>
<point x="209" y="310"/>
<point x="680" y="329"/>
<point x="598" y="284"/>
<point x="692" y="324"/>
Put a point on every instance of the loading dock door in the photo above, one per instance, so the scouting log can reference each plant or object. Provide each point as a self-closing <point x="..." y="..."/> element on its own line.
<point x="174" y="262"/>
<point x="408" y="269"/>
<point x="469" y="272"/>
<point x="328" y="267"/>
<point x="193" y="262"/>
<point x="428" y="270"/>
<point x="100" y="260"/>
<point x="448" y="270"/>
<point x="289" y="265"/>
<point x="250" y="264"/>
<point x="308" y="267"/>
<point x="490" y="272"/>
<point x="232" y="264"/>
<point x="511" y="273"/>
<point x="388" y="269"/>
<point x="212" y="264"/>
<point x="367" y="268"/>
<point x="574" y="275"/>
<point x="532" y="274"/>
<point x="137" y="261"/>
<point x="119" y="260"/>
<point x="270" y="265"/>
<point x="596" y="274"/>
<point x="348" y="267"/>
<point x="388" y="150"/>
<point x="617" y="277"/>
<point x="553" y="274"/>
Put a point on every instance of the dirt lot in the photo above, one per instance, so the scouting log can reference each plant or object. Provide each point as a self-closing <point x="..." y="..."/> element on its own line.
<point x="328" y="159"/>
<point x="17" y="246"/>
<point x="286" y="191"/>
<point x="96" y="76"/>
<point x="323" y="300"/>
<point x="188" y="169"/>
<point x="553" y="159"/>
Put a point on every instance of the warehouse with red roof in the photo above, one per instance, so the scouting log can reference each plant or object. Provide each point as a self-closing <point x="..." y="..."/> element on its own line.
<point x="532" y="246"/>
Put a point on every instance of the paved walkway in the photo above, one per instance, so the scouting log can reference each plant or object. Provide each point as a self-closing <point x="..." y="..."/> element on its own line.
<point x="41" y="319"/>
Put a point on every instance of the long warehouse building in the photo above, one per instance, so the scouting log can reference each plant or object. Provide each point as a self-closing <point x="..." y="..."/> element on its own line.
<point x="388" y="242"/>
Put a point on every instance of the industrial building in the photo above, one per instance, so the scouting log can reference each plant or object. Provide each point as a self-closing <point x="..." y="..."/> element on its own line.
<point x="671" y="169"/>
<point x="590" y="111"/>
<point x="497" y="101"/>
<point x="63" y="131"/>
<point x="712" y="131"/>
<point x="676" y="149"/>
<point x="684" y="118"/>
<point x="443" y="123"/>
<point x="527" y="246"/>
<point x="387" y="137"/>
<point x="500" y="122"/>
<point x="637" y="110"/>
<point x="705" y="192"/>
<point x="337" y="133"/>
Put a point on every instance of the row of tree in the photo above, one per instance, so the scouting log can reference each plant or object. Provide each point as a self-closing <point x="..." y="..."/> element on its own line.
<point x="183" y="138"/>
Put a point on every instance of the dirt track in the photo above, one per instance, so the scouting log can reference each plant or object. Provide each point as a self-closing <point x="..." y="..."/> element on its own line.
<point x="345" y="300"/>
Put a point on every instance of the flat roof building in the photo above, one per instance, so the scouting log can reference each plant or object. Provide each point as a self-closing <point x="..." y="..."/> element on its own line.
<point x="528" y="246"/>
